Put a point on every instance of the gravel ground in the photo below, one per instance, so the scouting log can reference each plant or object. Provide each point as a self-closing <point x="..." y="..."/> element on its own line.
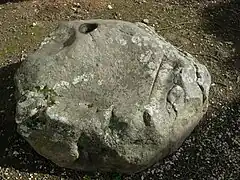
<point x="210" y="30"/>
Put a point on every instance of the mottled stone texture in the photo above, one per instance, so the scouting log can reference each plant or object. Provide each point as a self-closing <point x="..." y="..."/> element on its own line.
<point x="109" y="95"/>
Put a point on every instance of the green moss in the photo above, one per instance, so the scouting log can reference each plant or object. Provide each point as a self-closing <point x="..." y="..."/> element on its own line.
<point x="48" y="93"/>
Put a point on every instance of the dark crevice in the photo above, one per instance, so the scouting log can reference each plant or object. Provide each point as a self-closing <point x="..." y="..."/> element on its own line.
<point x="200" y="86"/>
<point x="71" y="39"/>
<point x="147" y="118"/>
<point x="116" y="125"/>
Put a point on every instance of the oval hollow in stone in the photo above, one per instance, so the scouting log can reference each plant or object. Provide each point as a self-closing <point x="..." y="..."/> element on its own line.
<point x="87" y="27"/>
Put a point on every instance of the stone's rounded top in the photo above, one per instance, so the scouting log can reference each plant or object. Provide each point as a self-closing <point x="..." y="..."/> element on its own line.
<point x="109" y="95"/>
<point x="112" y="61"/>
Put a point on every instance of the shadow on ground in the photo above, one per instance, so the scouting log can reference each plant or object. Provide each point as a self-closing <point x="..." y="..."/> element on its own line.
<point x="7" y="106"/>
<point x="222" y="20"/>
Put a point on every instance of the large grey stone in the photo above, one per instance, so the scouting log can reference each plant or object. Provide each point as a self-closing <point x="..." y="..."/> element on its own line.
<point x="109" y="95"/>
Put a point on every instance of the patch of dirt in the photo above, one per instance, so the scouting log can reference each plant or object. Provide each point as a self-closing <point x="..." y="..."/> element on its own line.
<point x="24" y="24"/>
<point x="210" y="30"/>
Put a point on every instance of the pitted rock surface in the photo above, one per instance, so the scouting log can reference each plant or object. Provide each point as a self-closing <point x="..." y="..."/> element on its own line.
<point x="109" y="95"/>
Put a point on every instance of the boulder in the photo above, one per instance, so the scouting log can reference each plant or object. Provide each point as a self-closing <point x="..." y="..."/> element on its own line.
<point x="108" y="95"/>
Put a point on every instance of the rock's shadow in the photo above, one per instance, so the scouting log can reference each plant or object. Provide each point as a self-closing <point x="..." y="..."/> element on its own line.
<point x="223" y="20"/>
<point x="7" y="106"/>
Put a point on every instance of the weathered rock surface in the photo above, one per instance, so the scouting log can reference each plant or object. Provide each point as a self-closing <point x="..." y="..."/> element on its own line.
<point x="109" y="95"/>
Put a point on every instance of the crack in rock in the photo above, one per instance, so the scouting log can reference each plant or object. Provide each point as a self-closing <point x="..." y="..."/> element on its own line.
<point x="156" y="77"/>
<point x="200" y="85"/>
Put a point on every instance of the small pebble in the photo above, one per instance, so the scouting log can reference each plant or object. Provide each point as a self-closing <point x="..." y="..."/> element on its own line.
<point x="74" y="9"/>
<point x="15" y="153"/>
<point x="34" y="24"/>
<point x="110" y="7"/>
<point x="146" y="21"/>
